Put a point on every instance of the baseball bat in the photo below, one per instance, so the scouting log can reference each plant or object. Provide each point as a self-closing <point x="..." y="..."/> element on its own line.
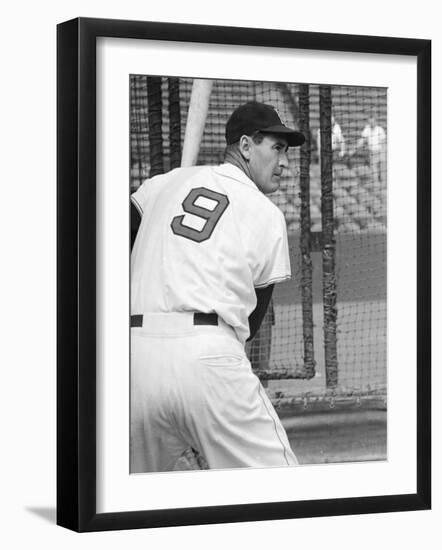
<point x="196" y="119"/>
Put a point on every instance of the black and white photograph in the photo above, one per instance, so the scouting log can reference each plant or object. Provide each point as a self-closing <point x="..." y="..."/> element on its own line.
<point x="238" y="202"/>
<point x="220" y="285"/>
<point x="258" y="274"/>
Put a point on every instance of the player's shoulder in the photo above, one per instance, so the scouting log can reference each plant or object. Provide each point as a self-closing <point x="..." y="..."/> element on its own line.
<point x="268" y="205"/>
<point x="275" y="212"/>
<point x="238" y="180"/>
<point x="243" y="188"/>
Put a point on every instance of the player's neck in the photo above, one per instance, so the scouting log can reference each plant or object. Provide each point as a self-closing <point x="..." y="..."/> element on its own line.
<point x="235" y="158"/>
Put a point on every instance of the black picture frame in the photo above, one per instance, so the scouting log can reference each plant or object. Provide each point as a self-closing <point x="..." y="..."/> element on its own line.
<point x="77" y="288"/>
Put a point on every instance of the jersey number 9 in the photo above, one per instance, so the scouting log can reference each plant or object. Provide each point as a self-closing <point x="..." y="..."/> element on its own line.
<point x="211" y="217"/>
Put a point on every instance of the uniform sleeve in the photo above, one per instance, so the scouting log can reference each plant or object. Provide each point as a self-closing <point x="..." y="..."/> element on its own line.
<point x="138" y="203"/>
<point x="273" y="259"/>
<point x="135" y="220"/>
<point x="139" y="198"/>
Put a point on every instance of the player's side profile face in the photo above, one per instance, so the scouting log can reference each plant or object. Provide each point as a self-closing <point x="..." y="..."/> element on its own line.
<point x="267" y="161"/>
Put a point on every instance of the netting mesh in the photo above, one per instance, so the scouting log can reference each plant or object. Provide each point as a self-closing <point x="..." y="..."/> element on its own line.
<point x="288" y="351"/>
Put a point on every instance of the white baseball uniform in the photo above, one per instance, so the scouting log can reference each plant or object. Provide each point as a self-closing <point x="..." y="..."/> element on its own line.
<point x="375" y="138"/>
<point x="376" y="142"/>
<point x="208" y="237"/>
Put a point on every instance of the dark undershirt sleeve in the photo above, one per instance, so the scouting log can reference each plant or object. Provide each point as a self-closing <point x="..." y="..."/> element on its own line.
<point x="263" y="296"/>
<point x="135" y="220"/>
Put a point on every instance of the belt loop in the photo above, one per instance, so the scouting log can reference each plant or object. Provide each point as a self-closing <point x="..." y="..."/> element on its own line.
<point x="205" y="319"/>
<point x="136" y="321"/>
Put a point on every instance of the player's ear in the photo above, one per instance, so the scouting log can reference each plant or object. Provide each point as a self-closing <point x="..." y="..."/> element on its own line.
<point x="244" y="146"/>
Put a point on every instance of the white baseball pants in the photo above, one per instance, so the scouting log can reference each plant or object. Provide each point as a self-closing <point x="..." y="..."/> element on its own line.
<point x="193" y="386"/>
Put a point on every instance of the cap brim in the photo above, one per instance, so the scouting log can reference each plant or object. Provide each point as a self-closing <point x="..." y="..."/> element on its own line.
<point x="294" y="138"/>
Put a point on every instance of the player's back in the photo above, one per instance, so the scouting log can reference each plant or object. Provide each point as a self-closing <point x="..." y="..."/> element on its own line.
<point x="208" y="236"/>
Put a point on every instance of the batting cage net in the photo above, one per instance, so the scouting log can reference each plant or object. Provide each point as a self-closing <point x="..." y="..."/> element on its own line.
<point x="323" y="340"/>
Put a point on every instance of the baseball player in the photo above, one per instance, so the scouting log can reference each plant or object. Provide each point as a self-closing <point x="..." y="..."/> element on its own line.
<point x="373" y="137"/>
<point x="209" y="248"/>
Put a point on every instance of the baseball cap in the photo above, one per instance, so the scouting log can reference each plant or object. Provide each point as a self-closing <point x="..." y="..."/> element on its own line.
<point x="253" y="117"/>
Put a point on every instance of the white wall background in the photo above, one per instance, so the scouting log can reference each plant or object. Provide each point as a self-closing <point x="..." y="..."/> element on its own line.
<point x="27" y="299"/>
